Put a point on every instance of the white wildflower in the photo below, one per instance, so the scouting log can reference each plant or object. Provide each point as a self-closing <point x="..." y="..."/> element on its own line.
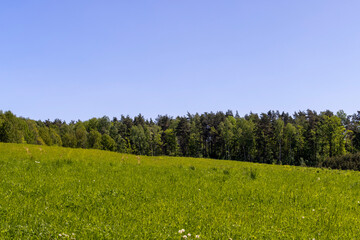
<point x="197" y="236"/>
<point x="184" y="236"/>
<point x="189" y="234"/>
<point x="181" y="230"/>
<point x="37" y="162"/>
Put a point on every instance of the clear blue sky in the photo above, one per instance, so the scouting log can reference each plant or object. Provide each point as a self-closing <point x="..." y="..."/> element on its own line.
<point x="81" y="59"/>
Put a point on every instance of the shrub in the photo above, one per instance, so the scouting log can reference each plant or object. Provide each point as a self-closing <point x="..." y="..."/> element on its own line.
<point x="344" y="162"/>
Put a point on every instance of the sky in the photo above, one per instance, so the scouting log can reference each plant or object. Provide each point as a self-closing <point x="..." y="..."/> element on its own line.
<point x="81" y="59"/>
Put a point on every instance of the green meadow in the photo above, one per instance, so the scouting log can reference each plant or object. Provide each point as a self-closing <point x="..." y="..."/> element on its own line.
<point x="63" y="193"/>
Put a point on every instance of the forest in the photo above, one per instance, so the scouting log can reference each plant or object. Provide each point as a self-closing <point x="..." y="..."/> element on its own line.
<point x="305" y="138"/>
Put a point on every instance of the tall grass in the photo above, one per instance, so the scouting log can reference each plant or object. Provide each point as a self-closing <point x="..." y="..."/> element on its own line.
<point x="61" y="193"/>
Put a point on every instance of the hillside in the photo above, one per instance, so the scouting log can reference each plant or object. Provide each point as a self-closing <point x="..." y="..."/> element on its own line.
<point x="304" y="138"/>
<point x="63" y="193"/>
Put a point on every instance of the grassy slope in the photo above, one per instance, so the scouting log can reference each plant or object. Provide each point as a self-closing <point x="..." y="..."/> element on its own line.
<point x="47" y="191"/>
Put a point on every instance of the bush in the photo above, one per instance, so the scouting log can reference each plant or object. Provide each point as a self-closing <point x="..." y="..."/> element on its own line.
<point x="344" y="162"/>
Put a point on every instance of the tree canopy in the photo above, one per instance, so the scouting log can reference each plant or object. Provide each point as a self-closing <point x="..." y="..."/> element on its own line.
<point x="304" y="138"/>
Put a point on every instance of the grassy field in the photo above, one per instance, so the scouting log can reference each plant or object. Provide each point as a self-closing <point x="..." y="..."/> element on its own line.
<point x="61" y="193"/>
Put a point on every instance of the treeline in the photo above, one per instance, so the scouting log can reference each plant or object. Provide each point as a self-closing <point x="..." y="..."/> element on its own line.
<point x="304" y="138"/>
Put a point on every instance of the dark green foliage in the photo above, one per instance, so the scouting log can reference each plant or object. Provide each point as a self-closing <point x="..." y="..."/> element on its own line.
<point x="81" y="135"/>
<point x="11" y="129"/>
<point x="94" y="139"/>
<point x="45" y="135"/>
<point x="104" y="125"/>
<point x="183" y="135"/>
<point x="344" y="162"/>
<point x="139" y="140"/>
<point x="253" y="174"/>
<point x="108" y="143"/>
<point x="31" y="134"/>
<point x="67" y="134"/>
<point x="305" y="138"/>
<point x="170" y="142"/>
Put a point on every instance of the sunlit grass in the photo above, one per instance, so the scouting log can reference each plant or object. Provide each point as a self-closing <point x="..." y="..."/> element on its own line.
<point x="61" y="193"/>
